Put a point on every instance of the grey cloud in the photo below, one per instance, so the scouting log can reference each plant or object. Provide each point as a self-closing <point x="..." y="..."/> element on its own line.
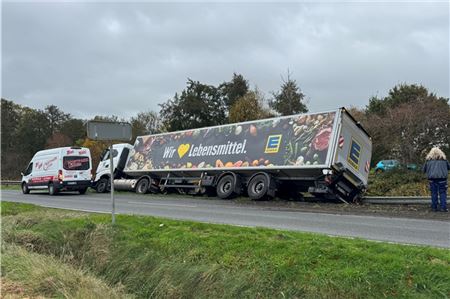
<point x="100" y="58"/>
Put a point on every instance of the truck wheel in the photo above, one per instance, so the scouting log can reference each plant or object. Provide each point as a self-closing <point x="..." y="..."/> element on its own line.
<point x="25" y="189"/>
<point x="82" y="191"/>
<point x="225" y="187"/>
<point x="142" y="186"/>
<point x="257" y="187"/>
<point x="52" y="190"/>
<point x="101" y="185"/>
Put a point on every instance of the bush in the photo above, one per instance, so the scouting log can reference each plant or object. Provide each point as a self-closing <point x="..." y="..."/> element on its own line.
<point x="398" y="182"/>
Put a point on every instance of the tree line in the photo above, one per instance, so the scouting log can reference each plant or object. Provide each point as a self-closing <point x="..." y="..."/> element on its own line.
<point x="403" y="125"/>
<point x="26" y="130"/>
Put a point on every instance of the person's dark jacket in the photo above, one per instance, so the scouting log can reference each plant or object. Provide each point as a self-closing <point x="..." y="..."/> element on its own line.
<point x="436" y="169"/>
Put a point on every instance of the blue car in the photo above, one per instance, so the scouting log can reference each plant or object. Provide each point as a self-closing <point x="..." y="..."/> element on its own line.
<point x="386" y="165"/>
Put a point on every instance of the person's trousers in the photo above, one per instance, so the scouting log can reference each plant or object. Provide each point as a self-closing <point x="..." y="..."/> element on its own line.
<point x="438" y="188"/>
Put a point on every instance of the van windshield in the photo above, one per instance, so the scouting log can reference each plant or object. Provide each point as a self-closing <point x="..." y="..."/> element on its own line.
<point x="76" y="163"/>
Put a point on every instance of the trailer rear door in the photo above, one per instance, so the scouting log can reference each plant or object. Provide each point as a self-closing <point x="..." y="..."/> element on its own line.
<point x="353" y="149"/>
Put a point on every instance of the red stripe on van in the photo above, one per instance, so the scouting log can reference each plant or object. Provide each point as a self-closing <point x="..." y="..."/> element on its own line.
<point x="41" y="179"/>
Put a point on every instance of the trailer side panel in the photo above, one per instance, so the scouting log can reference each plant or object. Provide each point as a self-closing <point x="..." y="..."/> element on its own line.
<point x="292" y="142"/>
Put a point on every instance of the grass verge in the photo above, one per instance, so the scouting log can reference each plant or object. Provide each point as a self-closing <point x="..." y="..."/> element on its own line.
<point x="153" y="257"/>
<point x="35" y="274"/>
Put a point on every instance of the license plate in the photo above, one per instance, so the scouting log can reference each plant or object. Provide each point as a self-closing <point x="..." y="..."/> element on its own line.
<point x="71" y="183"/>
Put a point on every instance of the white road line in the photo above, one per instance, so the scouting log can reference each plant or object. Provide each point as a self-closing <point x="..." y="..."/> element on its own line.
<point x="160" y="204"/>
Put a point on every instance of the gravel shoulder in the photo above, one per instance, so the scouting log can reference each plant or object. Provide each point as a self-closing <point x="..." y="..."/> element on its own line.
<point x="415" y="211"/>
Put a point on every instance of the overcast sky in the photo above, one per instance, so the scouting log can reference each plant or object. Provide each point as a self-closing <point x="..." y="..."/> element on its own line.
<point x="119" y="58"/>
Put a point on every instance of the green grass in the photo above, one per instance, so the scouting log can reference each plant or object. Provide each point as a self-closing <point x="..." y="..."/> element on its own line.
<point x="12" y="208"/>
<point x="154" y="257"/>
<point x="41" y="275"/>
<point x="10" y="187"/>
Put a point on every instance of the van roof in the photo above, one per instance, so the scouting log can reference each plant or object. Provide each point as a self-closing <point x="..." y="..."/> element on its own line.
<point x="55" y="151"/>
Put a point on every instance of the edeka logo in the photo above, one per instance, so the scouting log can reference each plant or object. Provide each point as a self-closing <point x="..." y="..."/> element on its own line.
<point x="273" y="144"/>
<point x="183" y="149"/>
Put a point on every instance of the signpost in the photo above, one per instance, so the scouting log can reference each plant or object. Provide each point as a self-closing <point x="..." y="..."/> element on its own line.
<point x="110" y="131"/>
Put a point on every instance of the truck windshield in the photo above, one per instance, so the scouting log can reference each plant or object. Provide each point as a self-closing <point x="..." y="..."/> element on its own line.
<point x="76" y="163"/>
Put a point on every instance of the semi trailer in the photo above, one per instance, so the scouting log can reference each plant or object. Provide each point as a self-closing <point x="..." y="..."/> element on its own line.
<point x="326" y="154"/>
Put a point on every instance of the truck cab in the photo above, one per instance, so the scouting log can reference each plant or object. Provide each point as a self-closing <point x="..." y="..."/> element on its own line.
<point x="102" y="175"/>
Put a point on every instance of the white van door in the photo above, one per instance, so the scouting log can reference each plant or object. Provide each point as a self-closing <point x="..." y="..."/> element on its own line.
<point x="76" y="168"/>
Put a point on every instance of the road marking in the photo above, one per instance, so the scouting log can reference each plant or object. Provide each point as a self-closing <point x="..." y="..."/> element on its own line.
<point x="160" y="204"/>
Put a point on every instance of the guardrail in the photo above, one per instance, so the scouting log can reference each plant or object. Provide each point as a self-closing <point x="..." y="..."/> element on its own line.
<point x="7" y="183"/>
<point x="397" y="200"/>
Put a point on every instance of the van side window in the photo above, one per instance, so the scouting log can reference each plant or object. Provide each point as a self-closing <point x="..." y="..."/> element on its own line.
<point x="29" y="169"/>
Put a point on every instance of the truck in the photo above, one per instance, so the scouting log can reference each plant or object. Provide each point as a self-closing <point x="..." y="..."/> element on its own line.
<point x="326" y="154"/>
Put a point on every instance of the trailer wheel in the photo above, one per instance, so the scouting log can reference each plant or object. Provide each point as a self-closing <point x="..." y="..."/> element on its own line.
<point x="142" y="186"/>
<point x="226" y="186"/>
<point x="257" y="187"/>
<point x="25" y="189"/>
<point x="52" y="190"/>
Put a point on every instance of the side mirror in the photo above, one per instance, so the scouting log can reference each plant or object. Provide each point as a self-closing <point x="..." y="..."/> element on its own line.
<point x="22" y="174"/>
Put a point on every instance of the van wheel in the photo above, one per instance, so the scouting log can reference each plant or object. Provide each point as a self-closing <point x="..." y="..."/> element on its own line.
<point x="378" y="171"/>
<point x="101" y="185"/>
<point x="257" y="187"/>
<point x="142" y="186"/>
<point x="225" y="187"/>
<point x="82" y="191"/>
<point x="52" y="190"/>
<point x="25" y="189"/>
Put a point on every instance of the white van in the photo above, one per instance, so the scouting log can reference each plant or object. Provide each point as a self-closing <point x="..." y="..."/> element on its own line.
<point x="59" y="169"/>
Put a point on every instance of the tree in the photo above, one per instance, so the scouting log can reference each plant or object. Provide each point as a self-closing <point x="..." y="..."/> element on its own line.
<point x="199" y="105"/>
<point x="10" y="114"/>
<point x="249" y="107"/>
<point x="407" y="123"/>
<point x="55" y="118"/>
<point x="401" y="94"/>
<point x="58" y="139"/>
<point x="233" y="90"/>
<point x="32" y="132"/>
<point x="290" y="100"/>
<point x="145" y="123"/>
<point x="11" y="160"/>
<point x="73" y="128"/>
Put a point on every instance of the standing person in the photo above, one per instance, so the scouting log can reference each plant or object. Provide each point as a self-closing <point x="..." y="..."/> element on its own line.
<point x="436" y="167"/>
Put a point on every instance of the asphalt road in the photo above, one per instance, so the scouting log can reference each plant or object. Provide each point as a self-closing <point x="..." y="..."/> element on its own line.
<point x="396" y="230"/>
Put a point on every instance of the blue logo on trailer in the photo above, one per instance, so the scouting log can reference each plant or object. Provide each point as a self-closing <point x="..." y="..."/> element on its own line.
<point x="354" y="154"/>
<point x="273" y="144"/>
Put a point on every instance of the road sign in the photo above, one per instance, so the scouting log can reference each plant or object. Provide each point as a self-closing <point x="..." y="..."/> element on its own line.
<point x="105" y="130"/>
